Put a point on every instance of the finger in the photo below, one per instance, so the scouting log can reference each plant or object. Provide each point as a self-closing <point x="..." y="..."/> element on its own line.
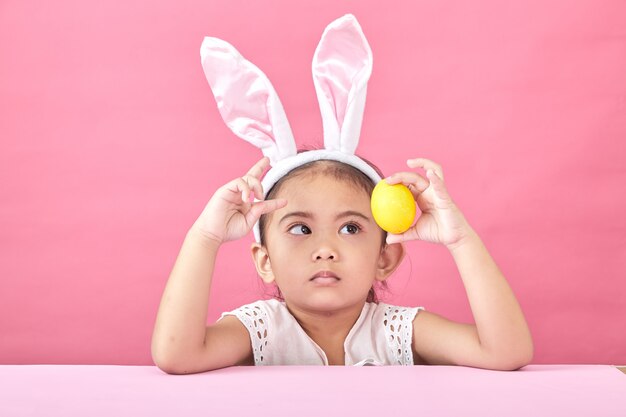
<point x="239" y="186"/>
<point x="257" y="169"/>
<point x="391" y="239"/>
<point x="438" y="185"/>
<point x="255" y="185"/>
<point x="410" y="234"/>
<point x="426" y="164"/>
<point x="408" y="178"/>
<point x="263" y="207"/>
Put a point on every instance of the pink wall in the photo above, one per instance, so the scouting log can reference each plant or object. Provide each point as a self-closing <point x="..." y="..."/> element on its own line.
<point x="111" y="144"/>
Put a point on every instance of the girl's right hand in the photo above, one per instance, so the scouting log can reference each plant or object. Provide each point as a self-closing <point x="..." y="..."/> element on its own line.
<point x="230" y="215"/>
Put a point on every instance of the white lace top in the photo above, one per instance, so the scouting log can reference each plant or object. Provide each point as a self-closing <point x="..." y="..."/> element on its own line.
<point x="382" y="335"/>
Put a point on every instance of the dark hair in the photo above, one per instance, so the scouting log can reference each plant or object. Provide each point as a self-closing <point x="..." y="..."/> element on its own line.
<point x="340" y="171"/>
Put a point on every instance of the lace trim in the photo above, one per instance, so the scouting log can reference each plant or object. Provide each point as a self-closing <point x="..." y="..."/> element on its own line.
<point x="255" y="319"/>
<point x="398" y="323"/>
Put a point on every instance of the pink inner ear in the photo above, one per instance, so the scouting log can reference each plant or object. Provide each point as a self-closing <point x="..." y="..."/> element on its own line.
<point x="340" y="57"/>
<point x="232" y="79"/>
<point x="246" y="99"/>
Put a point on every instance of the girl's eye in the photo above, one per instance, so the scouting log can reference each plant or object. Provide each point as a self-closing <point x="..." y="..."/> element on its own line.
<point x="351" y="229"/>
<point x="299" y="229"/>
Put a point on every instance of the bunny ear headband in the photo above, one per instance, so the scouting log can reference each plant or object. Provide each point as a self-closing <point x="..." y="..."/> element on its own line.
<point x="250" y="107"/>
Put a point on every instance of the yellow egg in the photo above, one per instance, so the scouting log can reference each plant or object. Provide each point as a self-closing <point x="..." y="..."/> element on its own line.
<point x="393" y="207"/>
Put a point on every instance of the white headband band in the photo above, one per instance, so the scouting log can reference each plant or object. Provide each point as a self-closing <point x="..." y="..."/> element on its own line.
<point x="250" y="107"/>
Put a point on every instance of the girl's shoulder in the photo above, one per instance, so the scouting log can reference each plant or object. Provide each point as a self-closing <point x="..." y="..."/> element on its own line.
<point x="394" y="312"/>
<point x="258" y="311"/>
<point x="389" y="319"/>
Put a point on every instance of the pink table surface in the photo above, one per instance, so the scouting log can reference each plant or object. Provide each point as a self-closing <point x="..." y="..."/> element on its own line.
<point x="106" y="390"/>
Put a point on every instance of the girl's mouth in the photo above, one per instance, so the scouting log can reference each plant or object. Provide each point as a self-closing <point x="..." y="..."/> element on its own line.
<point x="325" y="278"/>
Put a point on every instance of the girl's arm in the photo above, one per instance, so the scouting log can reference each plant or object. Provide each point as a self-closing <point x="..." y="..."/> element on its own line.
<point x="500" y="339"/>
<point x="180" y="328"/>
<point x="179" y="340"/>
<point x="502" y="331"/>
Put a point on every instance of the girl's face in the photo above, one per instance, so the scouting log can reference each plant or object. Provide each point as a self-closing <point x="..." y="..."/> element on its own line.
<point x="325" y="229"/>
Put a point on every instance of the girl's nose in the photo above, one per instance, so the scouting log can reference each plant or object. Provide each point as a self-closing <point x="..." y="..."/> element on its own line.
<point x="324" y="253"/>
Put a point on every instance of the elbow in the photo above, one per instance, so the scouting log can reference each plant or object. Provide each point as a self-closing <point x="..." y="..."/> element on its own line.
<point x="527" y="358"/>
<point x="173" y="363"/>
<point x="167" y="368"/>
<point x="516" y="358"/>
<point x="177" y="369"/>
<point x="164" y="360"/>
<point x="170" y="367"/>
<point x="163" y="363"/>
<point x="510" y="357"/>
<point x="512" y="365"/>
<point x="527" y="353"/>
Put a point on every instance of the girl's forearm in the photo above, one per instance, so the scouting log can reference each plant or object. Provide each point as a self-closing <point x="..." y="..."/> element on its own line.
<point x="500" y="323"/>
<point x="180" y="326"/>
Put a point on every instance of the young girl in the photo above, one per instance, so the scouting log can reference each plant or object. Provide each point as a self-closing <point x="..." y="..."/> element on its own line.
<point x="317" y="241"/>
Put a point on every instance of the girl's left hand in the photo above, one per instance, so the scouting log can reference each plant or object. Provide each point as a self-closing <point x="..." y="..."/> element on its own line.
<point x="441" y="220"/>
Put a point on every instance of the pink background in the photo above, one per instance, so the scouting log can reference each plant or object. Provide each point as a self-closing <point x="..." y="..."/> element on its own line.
<point x="111" y="144"/>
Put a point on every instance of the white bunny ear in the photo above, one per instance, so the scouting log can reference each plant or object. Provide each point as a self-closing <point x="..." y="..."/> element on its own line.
<point x="342" y="65"/>
<point x="246" y="100"/>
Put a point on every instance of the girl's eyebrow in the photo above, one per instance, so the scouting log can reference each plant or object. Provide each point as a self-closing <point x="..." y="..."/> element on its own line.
<point x="350" y="213"/>
<point x="309" y="215"/>
<point x="305" y="214"/>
